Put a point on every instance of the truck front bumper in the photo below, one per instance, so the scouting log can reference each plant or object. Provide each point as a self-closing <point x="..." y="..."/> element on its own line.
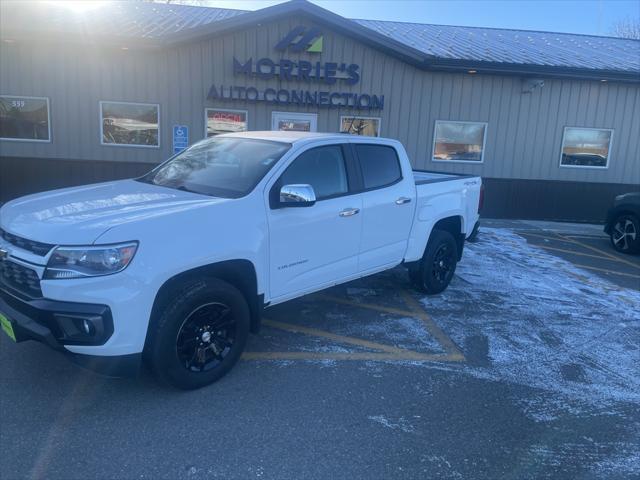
<point x="57" y="324"/>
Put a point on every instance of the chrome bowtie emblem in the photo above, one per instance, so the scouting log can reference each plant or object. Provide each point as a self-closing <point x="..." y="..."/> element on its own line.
<point x="3" y="254"/>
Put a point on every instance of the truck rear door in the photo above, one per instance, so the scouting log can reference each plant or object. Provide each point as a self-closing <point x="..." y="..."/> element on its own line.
<point x="388" y="202"/>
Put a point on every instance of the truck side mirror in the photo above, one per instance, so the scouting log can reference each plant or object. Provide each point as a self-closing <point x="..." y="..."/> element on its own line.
<point x="300" y="195"/>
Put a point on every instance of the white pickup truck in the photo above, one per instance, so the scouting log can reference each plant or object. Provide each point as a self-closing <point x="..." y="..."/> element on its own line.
<point x="175" y="267"/>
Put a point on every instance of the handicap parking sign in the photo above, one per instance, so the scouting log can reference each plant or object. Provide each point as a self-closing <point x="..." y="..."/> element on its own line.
<point x="180" y="138"/>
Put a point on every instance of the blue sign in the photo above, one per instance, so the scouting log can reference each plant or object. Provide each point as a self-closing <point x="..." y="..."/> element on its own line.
<point x="180" y="138"/>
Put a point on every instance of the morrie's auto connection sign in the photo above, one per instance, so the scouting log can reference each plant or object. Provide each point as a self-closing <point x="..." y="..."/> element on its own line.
<point x="317" y="74"/>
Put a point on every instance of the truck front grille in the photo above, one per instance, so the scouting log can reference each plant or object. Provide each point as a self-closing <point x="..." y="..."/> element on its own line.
<point x="38" y="248"/>
<point x="20" y="278"/>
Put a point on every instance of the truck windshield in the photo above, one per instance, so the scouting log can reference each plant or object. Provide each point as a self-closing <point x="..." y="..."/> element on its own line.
<point x="221" y="167"/>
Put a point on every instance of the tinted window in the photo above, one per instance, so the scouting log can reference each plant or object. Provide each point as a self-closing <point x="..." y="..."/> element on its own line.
<point x="24" y="118"/>
<point x="323" y="168"/>
<point x="380" y="165"/>
<point x="222" y="166"/>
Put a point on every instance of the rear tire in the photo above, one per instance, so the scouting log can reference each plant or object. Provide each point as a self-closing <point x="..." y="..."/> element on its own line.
<point x="199" y="335"/>
<point x="625" y="234"/>
<point x="438" y="264"/>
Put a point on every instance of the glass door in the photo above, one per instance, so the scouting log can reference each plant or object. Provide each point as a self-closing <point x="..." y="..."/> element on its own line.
<point x="292" y="121"/>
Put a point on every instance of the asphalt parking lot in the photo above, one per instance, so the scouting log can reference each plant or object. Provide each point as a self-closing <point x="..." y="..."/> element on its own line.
<point x="525" y="367"/>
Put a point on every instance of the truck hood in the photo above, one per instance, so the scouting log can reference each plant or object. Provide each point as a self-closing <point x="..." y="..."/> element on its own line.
<point x="78" y="216"/>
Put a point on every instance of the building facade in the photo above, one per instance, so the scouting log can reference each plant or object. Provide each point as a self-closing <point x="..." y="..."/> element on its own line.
<point x="554" y="141"/>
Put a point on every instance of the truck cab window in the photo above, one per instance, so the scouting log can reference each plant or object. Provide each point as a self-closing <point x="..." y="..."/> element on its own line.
<point x="380" y="165"/>
<point x="323" y="168"/>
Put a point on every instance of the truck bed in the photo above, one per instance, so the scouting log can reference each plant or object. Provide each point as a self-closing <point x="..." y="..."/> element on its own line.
<point x="423" y="176"/>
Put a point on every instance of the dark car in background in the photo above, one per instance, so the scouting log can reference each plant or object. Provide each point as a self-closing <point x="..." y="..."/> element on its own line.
<point x="623" y="223"/>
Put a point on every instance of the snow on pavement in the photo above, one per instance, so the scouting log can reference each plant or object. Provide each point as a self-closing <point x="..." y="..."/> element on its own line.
<point x="542" y="322"/>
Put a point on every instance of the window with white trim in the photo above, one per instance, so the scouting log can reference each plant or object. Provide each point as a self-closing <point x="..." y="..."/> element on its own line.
<point x="25" y="118"/>
<point x="369" y="126"/>
<point x="130" y="124"/>
<point x="219" y="121"/>
<point x="459" y="141"/>
<point x="586" y="147"/>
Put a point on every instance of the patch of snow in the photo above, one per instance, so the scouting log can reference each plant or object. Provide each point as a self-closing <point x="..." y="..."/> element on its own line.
<point x="625" y="461"/>
<point x="401" y="424"/>
<point x="443" y="466"/>
<point x="546" y="323"/>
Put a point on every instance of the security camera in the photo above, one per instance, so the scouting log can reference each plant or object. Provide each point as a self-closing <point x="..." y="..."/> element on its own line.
<point x="530" y="84"/>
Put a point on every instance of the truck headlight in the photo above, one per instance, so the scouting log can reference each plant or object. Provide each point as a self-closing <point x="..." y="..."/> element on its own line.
<point x="81" y="262"/>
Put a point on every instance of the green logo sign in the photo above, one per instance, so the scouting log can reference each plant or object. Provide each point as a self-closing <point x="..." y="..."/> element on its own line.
<point x="301" y="39"/>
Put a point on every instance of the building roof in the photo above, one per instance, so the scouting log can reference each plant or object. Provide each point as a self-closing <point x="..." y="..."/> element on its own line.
<point x="428" y="46"/>
<point x="514" y="46"/>
<point x="124" y="19"/>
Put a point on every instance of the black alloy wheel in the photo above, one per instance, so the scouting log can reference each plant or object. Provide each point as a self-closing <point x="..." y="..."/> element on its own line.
<point x="435" y="270"/>
<point x="206" y="337"/>
<point x="199" y="335"/>
<point x="443" y="263"/>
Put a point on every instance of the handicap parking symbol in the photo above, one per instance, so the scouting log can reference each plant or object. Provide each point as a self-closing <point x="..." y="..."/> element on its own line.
<point x="180" y="138"/>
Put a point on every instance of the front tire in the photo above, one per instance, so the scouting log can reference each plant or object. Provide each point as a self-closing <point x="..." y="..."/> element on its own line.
<point x="625" y="234"/>
<point x="438" y="264"/>
<point x="199" y="335"/>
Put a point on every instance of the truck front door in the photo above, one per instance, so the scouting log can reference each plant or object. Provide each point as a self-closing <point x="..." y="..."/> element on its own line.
<point x="316" y="246"/>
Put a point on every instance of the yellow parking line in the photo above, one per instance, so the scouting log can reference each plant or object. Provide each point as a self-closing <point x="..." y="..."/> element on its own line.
<point x="362" y="356"/>
<point x="546" y="237"/>
<point x="370" y="306"/>
<point x="592" y="237"/>
<point x="587" y="267"/>
<point x="606" y="255"/>
<point x="612" y="272"/>
<point x="432" y="327"/>
<point x="415" y="310"/>
<point x="613" y="257"/>
<point x="384" y="352"/>
<point x="573" y="252"/>
<point x="336" y="338"/>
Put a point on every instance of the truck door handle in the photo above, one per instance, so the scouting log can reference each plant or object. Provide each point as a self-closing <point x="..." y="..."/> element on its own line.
<point x="402" y="200"/>
<point x="348" y="212"/>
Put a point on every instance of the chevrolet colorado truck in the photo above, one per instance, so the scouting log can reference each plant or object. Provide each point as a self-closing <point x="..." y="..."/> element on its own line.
<point x="175" y="268"/>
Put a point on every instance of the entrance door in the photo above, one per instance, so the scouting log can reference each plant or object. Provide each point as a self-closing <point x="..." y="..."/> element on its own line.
<point x="292" y="121"/>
